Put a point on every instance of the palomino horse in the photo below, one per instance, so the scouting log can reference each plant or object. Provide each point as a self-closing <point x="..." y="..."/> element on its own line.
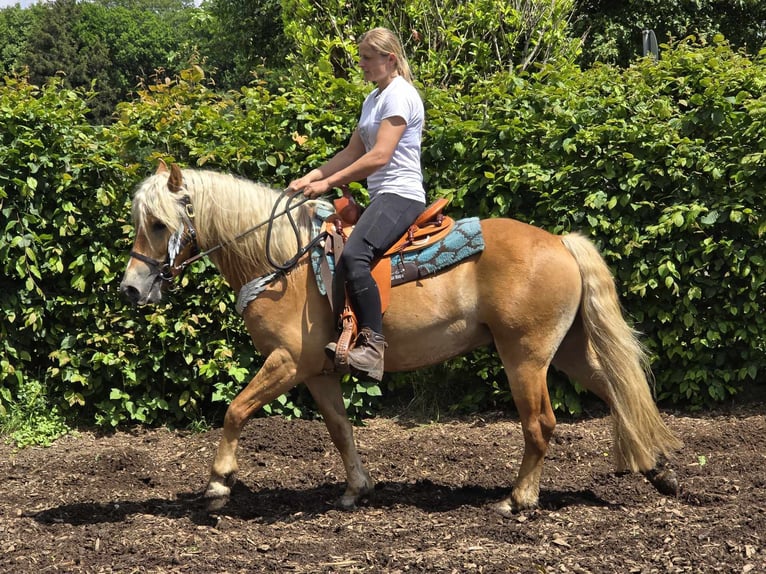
<point x="540" y="298"/>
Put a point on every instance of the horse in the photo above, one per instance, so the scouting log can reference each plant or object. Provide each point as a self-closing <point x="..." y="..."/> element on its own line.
<point x="541" y="299"/>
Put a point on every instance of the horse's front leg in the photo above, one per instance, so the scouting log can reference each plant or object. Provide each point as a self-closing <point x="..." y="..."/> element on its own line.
<point x="276" y="377"/>
<point x="329" y="398"/>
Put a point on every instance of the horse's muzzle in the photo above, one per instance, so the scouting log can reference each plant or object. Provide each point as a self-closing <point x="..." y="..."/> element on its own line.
<point x="143" y="290"/>
<point x="132" y="294"/>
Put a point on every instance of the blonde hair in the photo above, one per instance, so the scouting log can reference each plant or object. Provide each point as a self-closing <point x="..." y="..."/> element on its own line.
<point x="385" y="42"/>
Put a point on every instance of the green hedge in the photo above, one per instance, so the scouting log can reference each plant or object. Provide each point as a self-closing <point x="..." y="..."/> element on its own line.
<point x="660" y="163"/>
<point x="61" y="214"/>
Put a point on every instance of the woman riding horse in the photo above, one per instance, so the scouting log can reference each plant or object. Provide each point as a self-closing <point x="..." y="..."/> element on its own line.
<point x="541" y="299"/>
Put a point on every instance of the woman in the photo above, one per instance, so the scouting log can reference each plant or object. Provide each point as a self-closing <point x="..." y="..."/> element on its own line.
<point x="384" y="149"/>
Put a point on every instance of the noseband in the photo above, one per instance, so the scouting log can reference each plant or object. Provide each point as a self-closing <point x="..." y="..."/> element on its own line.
<point x="178" y="242"/>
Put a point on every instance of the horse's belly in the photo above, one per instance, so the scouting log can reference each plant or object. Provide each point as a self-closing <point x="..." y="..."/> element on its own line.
<point x="433" y="346"/>
<point x="433" y="320"/>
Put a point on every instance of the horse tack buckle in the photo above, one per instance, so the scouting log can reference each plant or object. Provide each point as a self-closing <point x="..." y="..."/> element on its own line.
<point x="166" y="272"/>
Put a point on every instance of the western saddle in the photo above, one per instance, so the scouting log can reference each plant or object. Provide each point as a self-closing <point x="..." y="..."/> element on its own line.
<point x="430" y="226"/>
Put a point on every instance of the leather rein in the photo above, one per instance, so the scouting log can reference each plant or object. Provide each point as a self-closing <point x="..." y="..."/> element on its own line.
<point x="167" y="271"/>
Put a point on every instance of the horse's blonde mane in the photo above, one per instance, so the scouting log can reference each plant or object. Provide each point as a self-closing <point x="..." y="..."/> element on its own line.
<point x="224" y="206"/>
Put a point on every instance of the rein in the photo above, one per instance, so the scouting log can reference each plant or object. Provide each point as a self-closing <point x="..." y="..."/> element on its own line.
<point x="290" y="263"/>
<point x="167" y="271"/>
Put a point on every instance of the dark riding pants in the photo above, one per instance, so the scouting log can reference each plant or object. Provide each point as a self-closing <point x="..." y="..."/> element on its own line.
<point x="382" y="223"/>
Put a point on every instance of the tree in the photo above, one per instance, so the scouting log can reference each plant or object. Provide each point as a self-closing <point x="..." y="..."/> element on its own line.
<point x="53" y="48"/>
<point x="15" y="23"/>
<point x="613" y="30"/>
<point x="110" y="45"/>
<point x="451" y="43"/>
<point x="237" y="37"/>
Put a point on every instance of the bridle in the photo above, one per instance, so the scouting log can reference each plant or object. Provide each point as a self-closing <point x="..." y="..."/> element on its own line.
<point x="186" y="236"/>
<point x="178" y="242"/>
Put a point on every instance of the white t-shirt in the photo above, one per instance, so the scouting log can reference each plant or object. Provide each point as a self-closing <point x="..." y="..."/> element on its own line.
<point x="402" y="175"/>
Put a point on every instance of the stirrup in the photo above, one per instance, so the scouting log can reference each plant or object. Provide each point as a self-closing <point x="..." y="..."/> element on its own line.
<point x="345" y="340"/>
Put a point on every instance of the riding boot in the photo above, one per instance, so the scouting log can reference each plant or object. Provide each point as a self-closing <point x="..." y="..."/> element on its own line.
<point x="367" y="354"/>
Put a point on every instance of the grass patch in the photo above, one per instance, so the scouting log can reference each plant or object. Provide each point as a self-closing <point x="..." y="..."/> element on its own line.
<point x="30" y="420"/>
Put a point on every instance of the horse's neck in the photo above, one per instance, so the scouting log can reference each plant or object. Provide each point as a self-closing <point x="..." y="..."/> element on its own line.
<point x="227" y="209"/>
<point x="237" y="253"/>
<point x="234" y="271"/>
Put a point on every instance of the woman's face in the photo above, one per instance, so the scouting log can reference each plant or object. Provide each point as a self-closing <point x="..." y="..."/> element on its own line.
<point x="377" y="67"/>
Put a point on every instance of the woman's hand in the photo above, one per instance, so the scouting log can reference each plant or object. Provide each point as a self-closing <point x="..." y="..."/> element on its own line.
<point x="316" y="188"/>
<point x="297" y="185"/>
<point x="312" y="185"/>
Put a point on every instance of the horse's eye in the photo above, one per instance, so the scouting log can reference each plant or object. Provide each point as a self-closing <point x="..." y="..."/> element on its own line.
<point x="158" y="227"/>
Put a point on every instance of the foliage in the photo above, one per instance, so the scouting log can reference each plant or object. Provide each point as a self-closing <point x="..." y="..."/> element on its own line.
<point x="55" y="255"/>
<point x="29" y="418"/>
<point x="613" y="31"/>
<point x="253" y="27"/>
<point x="53" y="48"/>
<point x="110" y="44"/>
<point x="450" y="43"/>
<point x="15" y="23"/>
<point x="118" y="43"/>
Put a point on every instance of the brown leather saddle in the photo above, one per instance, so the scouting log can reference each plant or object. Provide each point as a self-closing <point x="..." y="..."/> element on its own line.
<point x="430" y="226"/>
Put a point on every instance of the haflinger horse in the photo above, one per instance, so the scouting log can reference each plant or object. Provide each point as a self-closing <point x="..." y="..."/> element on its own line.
<point x="541" y="299"/>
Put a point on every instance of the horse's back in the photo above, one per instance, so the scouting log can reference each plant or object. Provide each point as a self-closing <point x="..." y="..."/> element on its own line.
<point x="525" y="276"/>
<point x="524" y="281"/>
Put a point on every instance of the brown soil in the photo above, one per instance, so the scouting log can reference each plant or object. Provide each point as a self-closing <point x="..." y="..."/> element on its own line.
<point x="129" y="503"/>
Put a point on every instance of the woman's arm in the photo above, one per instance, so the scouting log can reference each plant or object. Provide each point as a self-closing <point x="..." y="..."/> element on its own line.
<point x="352" y="163"/>
<point x="345" y="157"/>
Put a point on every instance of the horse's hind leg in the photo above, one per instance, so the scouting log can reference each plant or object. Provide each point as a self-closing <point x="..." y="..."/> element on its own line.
<point x="528" y="384"/>
<point x="327" y="394"/>
<point x="576" y="358"/>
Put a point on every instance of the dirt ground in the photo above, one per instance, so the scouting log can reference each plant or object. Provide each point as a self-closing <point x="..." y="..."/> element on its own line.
<point x="128" y="502"/>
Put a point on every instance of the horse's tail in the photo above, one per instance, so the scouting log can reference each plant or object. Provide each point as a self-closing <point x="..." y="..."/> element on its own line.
<point x="620" y="366"/>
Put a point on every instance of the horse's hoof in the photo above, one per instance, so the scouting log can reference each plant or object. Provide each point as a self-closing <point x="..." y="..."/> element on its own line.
<point x="664" y="480"/>
<point x="504" y="508"/>
<point x="350" y="498"/>
<point x="216" y="496"/>
<point x="216" y="504"/>
<point x="509" y="507"/>
<point x="218" y="492"/>
<point x="347" y="502"/>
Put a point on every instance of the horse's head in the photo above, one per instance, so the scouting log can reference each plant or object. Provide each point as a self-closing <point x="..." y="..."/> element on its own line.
<point x="165" y="236"/>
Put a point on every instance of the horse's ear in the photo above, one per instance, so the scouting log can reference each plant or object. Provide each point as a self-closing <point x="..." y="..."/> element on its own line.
<point x="162" y="168"/>
<point x="176" y="180"/>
